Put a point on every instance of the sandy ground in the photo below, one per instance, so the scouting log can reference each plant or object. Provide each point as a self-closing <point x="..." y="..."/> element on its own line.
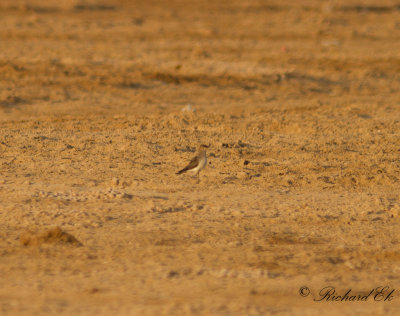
<point x="299" y="102"/>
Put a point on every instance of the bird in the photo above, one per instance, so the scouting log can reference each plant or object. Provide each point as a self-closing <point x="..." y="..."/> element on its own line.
<point x="197" y="163"/>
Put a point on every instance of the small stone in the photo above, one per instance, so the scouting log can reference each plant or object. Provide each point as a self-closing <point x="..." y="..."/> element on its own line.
<point x="199" y="207"/>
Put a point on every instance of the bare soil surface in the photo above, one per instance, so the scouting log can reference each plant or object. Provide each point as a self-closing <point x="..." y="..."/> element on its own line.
<point x="101" y="102"/>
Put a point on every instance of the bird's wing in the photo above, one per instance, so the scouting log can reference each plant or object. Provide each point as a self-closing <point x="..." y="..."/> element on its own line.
<point x="192" y="164"/>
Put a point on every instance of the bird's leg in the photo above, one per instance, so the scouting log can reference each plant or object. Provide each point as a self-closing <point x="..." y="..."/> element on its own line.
<point x="198" y="178"/>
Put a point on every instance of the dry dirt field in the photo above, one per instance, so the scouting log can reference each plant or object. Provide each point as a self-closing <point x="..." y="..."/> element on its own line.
<point x="101" y="102"/>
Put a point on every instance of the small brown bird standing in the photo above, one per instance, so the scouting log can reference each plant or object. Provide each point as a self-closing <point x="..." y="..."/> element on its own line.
<point x="198" y="162"/>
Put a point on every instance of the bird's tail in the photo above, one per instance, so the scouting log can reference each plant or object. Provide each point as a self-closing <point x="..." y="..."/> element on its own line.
<point x="182" y="171"/>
